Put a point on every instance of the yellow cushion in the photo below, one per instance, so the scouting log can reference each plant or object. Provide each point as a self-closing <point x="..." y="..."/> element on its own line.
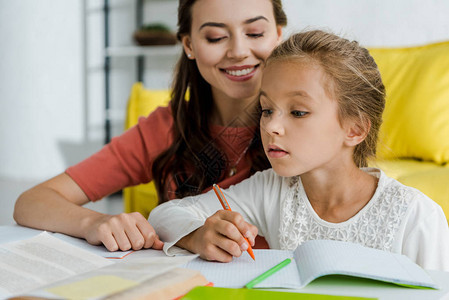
<point x="417" y="104"/>
<point x="433" y="183"/>
<point x="397" y="168"/>
<point x="143" y="101"/>
<point x="142" y="198"/>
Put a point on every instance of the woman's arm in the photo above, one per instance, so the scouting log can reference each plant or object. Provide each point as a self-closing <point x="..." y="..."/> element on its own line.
<point x="56" y="205"/>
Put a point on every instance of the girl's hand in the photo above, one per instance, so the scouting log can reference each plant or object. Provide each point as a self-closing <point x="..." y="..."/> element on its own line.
<point x="221" y="237"/>
<point x="123" y="232"/>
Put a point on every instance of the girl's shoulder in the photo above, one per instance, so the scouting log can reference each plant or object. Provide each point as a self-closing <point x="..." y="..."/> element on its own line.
<point x="266" y="183"/>
<point x="267" y="179"/>
<point x="401" y="196"/>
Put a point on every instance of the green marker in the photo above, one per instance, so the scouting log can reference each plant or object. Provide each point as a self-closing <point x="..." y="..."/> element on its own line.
<point x="267" y="274"/>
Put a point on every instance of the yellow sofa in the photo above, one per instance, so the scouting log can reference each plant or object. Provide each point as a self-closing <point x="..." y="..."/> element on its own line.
<point x="414" y="138"/>
<point x="142" y="198"/>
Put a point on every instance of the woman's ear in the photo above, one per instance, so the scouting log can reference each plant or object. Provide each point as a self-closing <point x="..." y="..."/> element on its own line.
<point x="187" y="45"/>
<point x="357" y="132"/>
<point x="279" y="33"/>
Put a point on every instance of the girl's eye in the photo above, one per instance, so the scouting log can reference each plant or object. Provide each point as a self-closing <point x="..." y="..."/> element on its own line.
<point x="255" y="35"/>
<point x="266" y="112"/>
<point x="298" y="113"/>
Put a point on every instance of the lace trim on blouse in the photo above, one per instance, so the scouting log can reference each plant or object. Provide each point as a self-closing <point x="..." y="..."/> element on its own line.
<point x="374" y="226"/>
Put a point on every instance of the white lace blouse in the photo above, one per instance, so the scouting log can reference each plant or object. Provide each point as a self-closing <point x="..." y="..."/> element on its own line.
<point x="398" y="218"/>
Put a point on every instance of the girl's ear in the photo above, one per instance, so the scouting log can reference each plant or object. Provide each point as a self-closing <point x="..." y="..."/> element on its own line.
<point x="357" y="132"/>
<point x="187" y="45"/>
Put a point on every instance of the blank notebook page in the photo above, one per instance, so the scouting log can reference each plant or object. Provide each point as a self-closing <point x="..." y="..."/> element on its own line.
<point x="243" y="269"/>
<point x="321" y="257"/>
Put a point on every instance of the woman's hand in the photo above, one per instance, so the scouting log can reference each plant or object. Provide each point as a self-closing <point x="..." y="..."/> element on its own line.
<point x="123" y="232"/>
<point x="57" y="205"/>
<point x="221" y="237"/>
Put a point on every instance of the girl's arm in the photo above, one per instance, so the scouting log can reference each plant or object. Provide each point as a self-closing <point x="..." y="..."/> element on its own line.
<point x="56" y="205"/>
<point x="200" y="225"/>
<point x="427" y="243"/>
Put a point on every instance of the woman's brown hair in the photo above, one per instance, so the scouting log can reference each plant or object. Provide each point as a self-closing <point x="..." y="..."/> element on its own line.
<point x="193" y="161"/>
<point x="354" y="78"/>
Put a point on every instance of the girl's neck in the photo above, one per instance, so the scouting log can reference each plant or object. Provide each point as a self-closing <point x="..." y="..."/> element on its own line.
<point x="339" y="196"/>
<point x="231" y="112"/>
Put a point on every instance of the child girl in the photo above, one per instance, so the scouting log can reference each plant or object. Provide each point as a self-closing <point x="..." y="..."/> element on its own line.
<point x="322" y="99"/>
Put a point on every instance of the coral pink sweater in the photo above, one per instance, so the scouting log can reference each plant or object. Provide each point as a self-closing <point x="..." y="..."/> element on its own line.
<point x="127" y="160"/>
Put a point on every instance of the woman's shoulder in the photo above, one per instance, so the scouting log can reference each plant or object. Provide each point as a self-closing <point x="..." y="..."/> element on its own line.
<point x="161" y="116"/>
<point x="152" y="134"/>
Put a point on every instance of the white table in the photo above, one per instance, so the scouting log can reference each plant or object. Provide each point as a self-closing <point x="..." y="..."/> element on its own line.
<point x="345" y="286"/>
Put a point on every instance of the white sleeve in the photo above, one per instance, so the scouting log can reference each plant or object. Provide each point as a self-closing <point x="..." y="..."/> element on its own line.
<point x="177" y="218"/>
<point x="428" y="242"/>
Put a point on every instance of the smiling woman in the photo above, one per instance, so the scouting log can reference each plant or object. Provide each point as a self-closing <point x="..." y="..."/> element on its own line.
<point x="229" y="47"/>
<point x="225" y="48"/>
<point x="211" y="137"/>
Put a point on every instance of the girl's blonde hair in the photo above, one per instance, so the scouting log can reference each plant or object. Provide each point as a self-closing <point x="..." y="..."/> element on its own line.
<point x="354" y="80"/>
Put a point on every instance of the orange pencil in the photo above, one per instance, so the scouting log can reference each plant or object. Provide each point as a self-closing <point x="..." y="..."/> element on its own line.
<point x="226" y="206"/>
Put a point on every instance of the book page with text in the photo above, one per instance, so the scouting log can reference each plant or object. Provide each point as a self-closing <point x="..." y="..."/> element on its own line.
<point x="41" y="260"/>
<point x="99" y="250"/>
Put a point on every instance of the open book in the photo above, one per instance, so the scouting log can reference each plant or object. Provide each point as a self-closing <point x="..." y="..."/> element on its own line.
<point x="314" y="259"/>
<point x="48" y="267"/>
<point x="12" y="233"/>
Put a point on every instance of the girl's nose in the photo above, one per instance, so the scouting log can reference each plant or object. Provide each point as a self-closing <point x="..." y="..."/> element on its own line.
<point x="273" y="125"/>
<point x="238" y="48"/>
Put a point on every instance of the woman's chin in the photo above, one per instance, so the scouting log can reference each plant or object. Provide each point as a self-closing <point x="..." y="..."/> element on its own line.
<point x="247" y="91"/>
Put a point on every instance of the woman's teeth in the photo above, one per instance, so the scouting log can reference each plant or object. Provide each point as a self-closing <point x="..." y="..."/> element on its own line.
<point x="239" y="72"/>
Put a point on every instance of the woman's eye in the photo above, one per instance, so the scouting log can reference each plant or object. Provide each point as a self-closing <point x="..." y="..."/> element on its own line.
<point x="214" y="40"/>
<point x="255" y="35"/>
<point x="298" y="113"/>
<point x="266" y="112"/>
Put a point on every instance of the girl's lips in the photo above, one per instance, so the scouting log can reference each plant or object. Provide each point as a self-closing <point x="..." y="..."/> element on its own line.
<point x="276" y="152"/>
<point x="240" y="73"/>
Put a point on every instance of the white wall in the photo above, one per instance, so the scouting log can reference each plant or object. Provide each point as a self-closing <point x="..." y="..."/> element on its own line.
<point x="41" y="84"/>
<point x="51" y="78"/>
<point x="374" y="22"/>
<point x="158" y="71"/>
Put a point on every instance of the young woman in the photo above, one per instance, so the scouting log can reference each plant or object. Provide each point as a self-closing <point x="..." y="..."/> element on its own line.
<point x="322" y="100"/>
<point x="211" y="137"/>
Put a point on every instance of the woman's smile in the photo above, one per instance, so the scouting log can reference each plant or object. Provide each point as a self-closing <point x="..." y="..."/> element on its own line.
<point x="240" y="73"/>
<point x="229" y="47"/>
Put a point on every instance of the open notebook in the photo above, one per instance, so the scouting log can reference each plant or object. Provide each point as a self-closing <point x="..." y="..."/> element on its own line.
<point x="315" y="259"/>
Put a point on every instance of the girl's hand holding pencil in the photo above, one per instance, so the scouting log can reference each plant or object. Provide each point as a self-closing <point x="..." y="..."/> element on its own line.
<point x="224" y="203"/>
<point x="224" y="235"/>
